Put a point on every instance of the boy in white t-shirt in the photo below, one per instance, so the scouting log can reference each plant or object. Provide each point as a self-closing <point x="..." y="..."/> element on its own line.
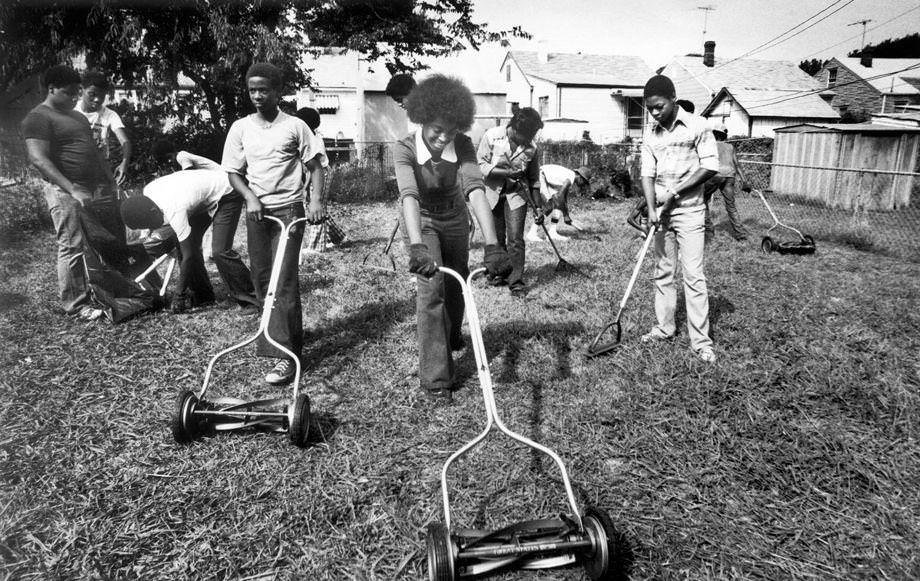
<point x="188" y="201"/>
<point x="103" y="120"/>
<point x="270" y="157"/>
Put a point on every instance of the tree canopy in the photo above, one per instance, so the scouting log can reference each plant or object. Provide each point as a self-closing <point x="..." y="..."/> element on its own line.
<point x="147" y="44"/>
<point x="905" y="47"/>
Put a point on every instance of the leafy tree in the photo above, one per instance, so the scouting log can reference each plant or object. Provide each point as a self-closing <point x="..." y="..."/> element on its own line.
<point x="811" y="66"/>
<point x="905" y="47"/>
<point x="150" y="46"/>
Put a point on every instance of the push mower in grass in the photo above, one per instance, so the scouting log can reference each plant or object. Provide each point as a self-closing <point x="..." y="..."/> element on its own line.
<point x="589" y="538"/>
<point x="194" y="416"/>
<point x="804" y="245"/>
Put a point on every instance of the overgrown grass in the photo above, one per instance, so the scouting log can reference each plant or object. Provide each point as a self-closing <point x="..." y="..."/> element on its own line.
<point x="794" y="456"/>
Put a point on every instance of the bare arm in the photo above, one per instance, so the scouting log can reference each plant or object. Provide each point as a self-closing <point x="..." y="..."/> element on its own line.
<point x="254" y="207"/>
<point x="479" y="204"/>
<point x="121" y="172"/>
<point x="39" y="151"/>
<point x="315" y="210"/>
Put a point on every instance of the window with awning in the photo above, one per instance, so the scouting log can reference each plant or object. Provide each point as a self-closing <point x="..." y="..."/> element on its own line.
<point x="326" y="103"/>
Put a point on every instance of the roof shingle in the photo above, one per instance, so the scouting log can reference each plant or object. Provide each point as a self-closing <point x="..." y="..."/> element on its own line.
<point x="585" y="69"/>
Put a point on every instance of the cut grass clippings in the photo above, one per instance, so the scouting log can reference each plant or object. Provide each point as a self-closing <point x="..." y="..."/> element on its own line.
<point x="795" y="456"/>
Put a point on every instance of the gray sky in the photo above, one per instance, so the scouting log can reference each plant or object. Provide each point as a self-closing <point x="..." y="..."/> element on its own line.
<point x="659" y="29"/>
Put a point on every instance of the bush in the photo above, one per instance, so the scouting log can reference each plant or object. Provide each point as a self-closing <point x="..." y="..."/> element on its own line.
<point x="354" y="183"/>
<point x="23" y="208"/>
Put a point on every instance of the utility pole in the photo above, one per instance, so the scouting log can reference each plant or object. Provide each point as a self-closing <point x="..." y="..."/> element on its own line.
<point x="706" y="10"/>
<point x="862" y="43"/>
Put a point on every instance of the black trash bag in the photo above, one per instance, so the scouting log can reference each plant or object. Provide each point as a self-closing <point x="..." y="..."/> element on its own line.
<point x="119" y="297"/>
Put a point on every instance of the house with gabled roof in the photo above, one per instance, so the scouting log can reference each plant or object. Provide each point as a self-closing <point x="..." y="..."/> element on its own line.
<point x="601" y="92"/>
<point x="751" y="97"/>
<point x="866" y="85"/>
<point x="349" y="93"/>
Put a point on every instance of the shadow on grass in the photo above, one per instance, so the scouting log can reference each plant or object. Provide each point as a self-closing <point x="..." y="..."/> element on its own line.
<point x="338" y="337"/>
<point x="9" y="301"/>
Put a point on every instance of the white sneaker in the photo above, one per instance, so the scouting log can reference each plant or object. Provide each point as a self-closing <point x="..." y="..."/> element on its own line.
<point x="282" y="373"/>
<point x="88" y="313"/>
<point x="706" y="355"/>
<point x="655" y="334"/>
<point x="533" y="236"/>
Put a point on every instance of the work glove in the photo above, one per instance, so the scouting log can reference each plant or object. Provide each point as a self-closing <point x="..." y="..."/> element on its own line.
<point x="421" y="262"/>
<point x="497" y="261"/>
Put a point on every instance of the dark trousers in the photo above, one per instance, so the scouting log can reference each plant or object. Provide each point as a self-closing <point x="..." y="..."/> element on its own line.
<point x="193" y="276"/>
<point x="286" y="323"/>
<point x="509" y="228"/>
<point x="727" y="187"/>
<point x="439" y="305"/>
<point x="233" y="271"/>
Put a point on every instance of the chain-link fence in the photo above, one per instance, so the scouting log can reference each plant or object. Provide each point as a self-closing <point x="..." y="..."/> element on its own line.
<point x="870" y="209"/>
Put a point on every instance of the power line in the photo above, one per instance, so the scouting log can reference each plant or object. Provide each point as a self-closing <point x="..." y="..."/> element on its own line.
<point x="864" y="21"/>
<point x="771" y="44"/>
<point x="876" y="27"/>
<point x="768" y="102"/>
<point x="764" y="45"/>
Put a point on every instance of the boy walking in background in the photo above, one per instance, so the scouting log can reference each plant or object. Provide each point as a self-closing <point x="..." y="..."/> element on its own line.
<point x="269" y="157"/>
<point x="724" y="181"/>
<point x="60" y="146"/>
<point x="678" y="156"/>
<point x="103" y="121"/>
<point x="189" y="202"/>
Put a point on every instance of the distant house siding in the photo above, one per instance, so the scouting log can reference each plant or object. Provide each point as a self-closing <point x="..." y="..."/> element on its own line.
<point x="518" y="88"/>
<point x="688" y="87"/>
<point x="490" y="112"/>
<point x="853" y="95"/>
<point x="344" y="120"/>
<point x="384" y="120"/>
<point x="895" y="103"/>
<point x="605" y="114"/>
<point x="736" y="120"/>
<point x="545" y="89"/>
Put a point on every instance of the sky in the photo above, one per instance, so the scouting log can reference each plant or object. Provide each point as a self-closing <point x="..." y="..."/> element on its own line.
<point x="658" y="30"/>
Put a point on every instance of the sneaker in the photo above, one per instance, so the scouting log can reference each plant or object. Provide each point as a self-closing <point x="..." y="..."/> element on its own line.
<point x="88" y="313"/>
<point x="706" y="354"/>
<point x="518" y="289"/>
<point x="655" y="334"/>
<point x="441" y="395"/>
<point x="496" y="280"/>
<point x="282" y="373"/>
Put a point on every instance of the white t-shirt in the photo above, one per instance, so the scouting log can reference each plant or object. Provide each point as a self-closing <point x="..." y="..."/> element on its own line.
<point x="272" y="156"/>
<point x="102" y="121"/>
<point x="553" y="178"/>
<point x="188" y="160"/>
<point x="187" y="192"/>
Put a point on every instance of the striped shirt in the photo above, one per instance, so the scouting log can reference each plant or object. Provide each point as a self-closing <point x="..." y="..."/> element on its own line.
<point x="672" y="155"/>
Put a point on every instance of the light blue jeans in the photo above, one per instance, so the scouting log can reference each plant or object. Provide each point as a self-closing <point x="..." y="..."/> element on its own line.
<point x="683" y="239"/>
<point x="66" y="217"/>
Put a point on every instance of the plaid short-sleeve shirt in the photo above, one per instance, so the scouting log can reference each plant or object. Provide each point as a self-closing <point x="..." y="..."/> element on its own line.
<point x="673" y="155"/>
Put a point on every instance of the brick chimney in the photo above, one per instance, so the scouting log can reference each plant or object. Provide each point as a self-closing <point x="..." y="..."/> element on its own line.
<point x="866" y="60"/>
<point x="709" y="53"/>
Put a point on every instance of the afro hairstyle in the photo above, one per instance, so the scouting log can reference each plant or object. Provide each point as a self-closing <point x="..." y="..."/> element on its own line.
<point x="265" y="70"/>
<point x="60" y="76"/>
<point x="441" y="98"/>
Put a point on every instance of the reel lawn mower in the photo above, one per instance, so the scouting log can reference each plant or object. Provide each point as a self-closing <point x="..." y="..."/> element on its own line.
<point x="587" y="537"/>
<point x="804" y="245"/>
<point x="194" y="416"/>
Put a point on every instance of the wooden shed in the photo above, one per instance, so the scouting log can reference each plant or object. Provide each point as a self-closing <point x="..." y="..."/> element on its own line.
<point x="863" y="165"/>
